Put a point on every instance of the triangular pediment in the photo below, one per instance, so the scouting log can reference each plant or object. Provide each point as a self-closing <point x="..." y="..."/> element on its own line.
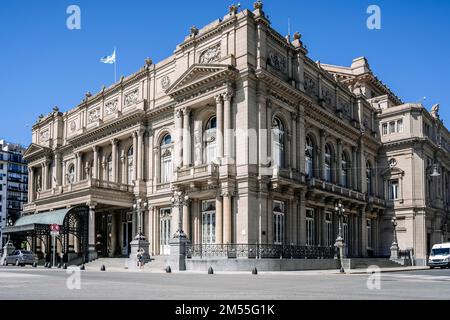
<point x="34" y="149"/>
<point x="200" y="74"/>
<point x="392" y="171"/>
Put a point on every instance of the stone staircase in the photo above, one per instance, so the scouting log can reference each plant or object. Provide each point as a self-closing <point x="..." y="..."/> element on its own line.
<point x="364" y="263"/>
<point x="157" y="263"/>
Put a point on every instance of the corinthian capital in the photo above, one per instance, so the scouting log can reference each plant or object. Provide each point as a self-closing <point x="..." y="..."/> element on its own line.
<point x="227" y="96"/>
<point x="179" y="113"/>
<point x="219" y="99"/>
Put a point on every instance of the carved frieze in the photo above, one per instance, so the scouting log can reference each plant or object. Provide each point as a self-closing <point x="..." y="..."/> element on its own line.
<point x="111" y="106"/>
<point x="73" y="126"/>
<point x="44" y="136"/>
<point x="93" y="115"/>
<point x="131" y="98"/>
<point x="277" y="61"/>
<point x="211" y="54"/>
<point x="165" y="82"/>
<point x="310" y="85"/>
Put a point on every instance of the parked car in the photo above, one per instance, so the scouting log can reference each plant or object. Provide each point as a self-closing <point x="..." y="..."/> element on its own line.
<point x="21" y="258"/>
<point x="440" y="256"/>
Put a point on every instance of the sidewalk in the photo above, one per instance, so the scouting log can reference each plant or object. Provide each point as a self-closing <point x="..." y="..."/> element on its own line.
<point x="395" y="269"/>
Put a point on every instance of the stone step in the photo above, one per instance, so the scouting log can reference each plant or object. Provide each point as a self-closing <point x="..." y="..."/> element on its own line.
<point x="364" y="263"/>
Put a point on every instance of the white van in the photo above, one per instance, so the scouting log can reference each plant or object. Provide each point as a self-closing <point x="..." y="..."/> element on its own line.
<point x="440" y="256"/>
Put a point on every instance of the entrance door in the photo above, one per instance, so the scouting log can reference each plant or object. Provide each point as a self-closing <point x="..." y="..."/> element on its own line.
<point x="165" y="218"/>
<point x="127" y="233"/>
<point x="209" y="222"/>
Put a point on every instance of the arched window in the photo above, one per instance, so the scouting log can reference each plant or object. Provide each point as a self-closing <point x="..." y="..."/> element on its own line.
<point x="328" y="163"/>
<point x="130" y="166"/>
<point x="278" y="137"/>
<point x="309" y="157"/>
<point x="166" y="159"/>
<point x="71" y="174"/>
<point x="210" y="140"/>
<point x="344" y="170"/>
<point x="369" y="178"/>
<point x="110" y="169"/>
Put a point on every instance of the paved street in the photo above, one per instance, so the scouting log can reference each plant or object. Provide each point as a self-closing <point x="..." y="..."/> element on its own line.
<point x="40" y="283"/>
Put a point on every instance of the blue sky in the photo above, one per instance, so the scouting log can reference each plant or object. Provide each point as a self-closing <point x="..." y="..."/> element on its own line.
<point x="43" y="64"/>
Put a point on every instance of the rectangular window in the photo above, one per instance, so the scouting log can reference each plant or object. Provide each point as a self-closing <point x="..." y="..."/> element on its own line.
<point x="310" y="228"/>
<point x="392" y="127"/>
<point x="393" y="189"/>
<point x="278" y="222"/>
<point x="384" y="129"/>
<point x="399" y="125"/>
<point x="209" y="222"/>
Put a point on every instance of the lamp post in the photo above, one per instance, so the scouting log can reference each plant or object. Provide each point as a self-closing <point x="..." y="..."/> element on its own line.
<point x="394" y="246"/>
<point x="340" y="244"/>
<point x="139" y="207"/>
<point x="179" y="200"/>
<point x="139" y="244"/>
<point x="179" y="243"/>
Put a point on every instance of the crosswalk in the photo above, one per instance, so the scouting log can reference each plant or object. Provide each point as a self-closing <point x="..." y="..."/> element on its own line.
<point x="417" y="277"/>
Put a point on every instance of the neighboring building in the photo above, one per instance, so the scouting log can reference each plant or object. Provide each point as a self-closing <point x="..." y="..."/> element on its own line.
<point x="13" y="183"/>
<point x="262" y="139"/>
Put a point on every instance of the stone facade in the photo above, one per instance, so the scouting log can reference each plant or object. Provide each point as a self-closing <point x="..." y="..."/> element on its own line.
<point x="263" y="140"/>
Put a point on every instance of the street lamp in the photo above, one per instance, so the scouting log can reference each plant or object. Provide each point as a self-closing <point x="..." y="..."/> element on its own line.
<point x="179" y="200"/>
<point x="340" y="211"/>
<point x="435" y="172"/>
<point x="139" y="207"/>
<point x="394" y="246"/>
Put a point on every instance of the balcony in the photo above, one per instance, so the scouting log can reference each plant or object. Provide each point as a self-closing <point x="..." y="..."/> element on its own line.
<point x="204" y="173"/>
<point x="286" y="177"/>
<point x="84" y="185"/>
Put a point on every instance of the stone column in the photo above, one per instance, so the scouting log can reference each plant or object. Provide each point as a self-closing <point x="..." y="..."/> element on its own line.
<point x="322" y="155"/>
<point x="302" y="138"/>
<point x="186" y="137"/>
<point x="30" y="184"/>
<point x="187" y="221"/>
<point x="219" y="118"/>
<point x="150" y="162"/>
<point x="140" y="154"/>
<point x="269" y="131"/>
<point x="95" y="164"/>
<point x="354" y="170"/>
<point x="219" y="219"/>
<point x="302" y="219"/>
<point x="294" y="221"/>
<point x="58" y="169"/>
<point x="157" y="176"/>
<point x="269" y="220"/>
<point x="123" y="162"/>
<point x="197" y="221"/>
<point x="178" y="148"/>
<point x="114" y="155"/>
<point x="44" y="176"/>
<point x="91" y="231"/>
<point x="262" y="128"/>
<point x="79" y="173"/>
<point x="135" y="154"/>
<point x="363" y="232"/>
<point x="294" y="141"/>
<point x="227" y="218"/>
<point x="228" y="142"/>
<point x="64" y="173"/>
<point x="338" y="162"/>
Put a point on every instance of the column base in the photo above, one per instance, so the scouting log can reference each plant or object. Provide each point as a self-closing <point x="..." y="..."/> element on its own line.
<point x="92" y="253"/>
<point x="178" y="252"/>
<point x="136" y="245"/>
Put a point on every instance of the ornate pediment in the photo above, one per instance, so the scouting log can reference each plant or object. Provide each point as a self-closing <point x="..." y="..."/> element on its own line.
<point x="200" y="76"/>
<point x="35" y="150"/>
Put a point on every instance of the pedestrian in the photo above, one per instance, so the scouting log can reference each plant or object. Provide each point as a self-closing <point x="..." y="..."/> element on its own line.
<point x="140" y="257"/>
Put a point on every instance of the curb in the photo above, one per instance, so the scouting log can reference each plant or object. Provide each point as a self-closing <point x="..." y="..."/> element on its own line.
<point x="364" y="271"/>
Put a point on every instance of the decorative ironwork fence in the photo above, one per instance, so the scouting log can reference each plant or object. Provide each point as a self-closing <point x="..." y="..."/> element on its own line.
<point x="259" y="251"/>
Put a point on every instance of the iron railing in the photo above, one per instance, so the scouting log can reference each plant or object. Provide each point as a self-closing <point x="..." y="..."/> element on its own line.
<point x="259" y="251"/>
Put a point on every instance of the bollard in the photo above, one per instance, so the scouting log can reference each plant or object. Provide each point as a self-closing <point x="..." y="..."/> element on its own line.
<point x="65" y="266"/>
<point x="34" y="264"/>
<point x="82" y="267"/>
<point x="255" y="271"/>
<point x="59" y="266"/>
<point x="103" y="268"/>
<point x="210" y="270"/>
<point x="168" y="270"/>
<point x="46" y="265"/>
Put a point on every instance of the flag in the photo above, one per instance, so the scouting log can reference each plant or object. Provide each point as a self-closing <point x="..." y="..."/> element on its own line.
<point x="109" y="59"/>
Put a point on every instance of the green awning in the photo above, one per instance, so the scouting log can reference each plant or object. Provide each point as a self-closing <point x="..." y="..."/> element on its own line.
<point x="27" y="223"/>
<point x="48" y="217"/>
